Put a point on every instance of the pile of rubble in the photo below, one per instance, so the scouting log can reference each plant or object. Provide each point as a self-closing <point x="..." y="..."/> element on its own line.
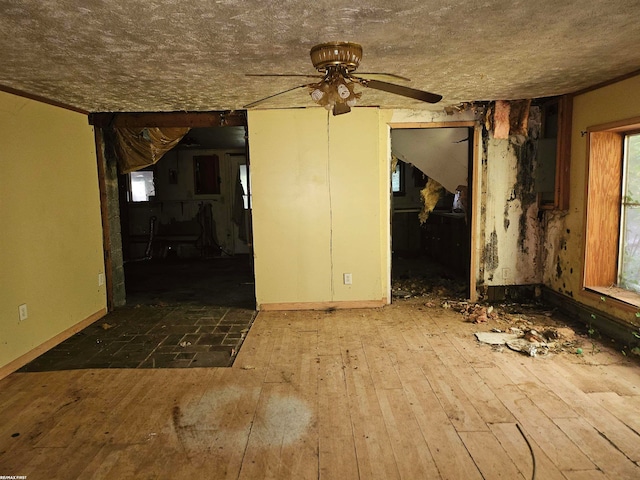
<point x="518" y="327"/>
<point x="523" y="327"/>
<point x="416" y="287"/>
<point x="530" y="341"/>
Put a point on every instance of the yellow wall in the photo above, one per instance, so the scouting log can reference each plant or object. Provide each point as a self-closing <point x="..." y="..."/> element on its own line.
<point x="50" y="227"/>
<point x="619" y="101"/>
<point x="320" y="205"/>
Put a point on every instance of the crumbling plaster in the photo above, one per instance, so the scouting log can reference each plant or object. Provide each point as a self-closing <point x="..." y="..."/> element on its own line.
<point x="509" y="227"/>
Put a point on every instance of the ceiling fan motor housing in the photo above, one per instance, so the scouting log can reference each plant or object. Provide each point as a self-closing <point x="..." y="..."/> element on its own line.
<point x="345" y="54"/>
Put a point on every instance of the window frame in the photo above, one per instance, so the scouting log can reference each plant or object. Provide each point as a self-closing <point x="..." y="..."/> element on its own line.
<point x="603" y="210"/>
<point x="130" y="185"/>
<point x="624" y="203"/>
<point x="400" y="167"/>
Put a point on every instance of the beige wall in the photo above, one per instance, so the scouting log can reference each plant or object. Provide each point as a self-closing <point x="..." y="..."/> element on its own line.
<point x="50" y="227"/>
<point x="565" y="230"/>
<point x="321" y="205"/>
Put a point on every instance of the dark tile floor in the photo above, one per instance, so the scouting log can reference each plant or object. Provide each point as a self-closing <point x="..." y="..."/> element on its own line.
<point x="153" y="337"/>
<point x="191" y="313"/>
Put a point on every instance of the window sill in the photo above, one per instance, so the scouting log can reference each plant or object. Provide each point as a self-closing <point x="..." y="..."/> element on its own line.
<point x="626" y="297"/>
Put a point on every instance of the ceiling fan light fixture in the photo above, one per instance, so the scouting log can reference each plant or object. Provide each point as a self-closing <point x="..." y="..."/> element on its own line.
<point x="316" y="95"/>
<point x="345" y="54"/>
<point x="343" y="91"/>
<point x="334" y="89"/>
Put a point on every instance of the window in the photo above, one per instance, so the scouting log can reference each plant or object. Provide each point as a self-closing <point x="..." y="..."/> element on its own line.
<point x="629" y="267"/>
<point x="244" y="181"/>
<point x="612" y="242"/>
<point x="397" y="179"/>
<point x="142" y="186"/>
<point x="206" y="169"/>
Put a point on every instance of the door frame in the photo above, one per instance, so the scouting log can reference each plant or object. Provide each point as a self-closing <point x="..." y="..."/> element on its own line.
<point x="474" y="190"/>
<point x="109" y="208"/>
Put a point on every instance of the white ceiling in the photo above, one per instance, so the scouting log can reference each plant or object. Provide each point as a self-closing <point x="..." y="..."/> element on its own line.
<point x="178" y="55"/>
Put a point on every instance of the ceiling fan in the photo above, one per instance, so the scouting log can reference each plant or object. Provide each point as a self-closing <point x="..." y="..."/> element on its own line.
<point x="336" y="61"/>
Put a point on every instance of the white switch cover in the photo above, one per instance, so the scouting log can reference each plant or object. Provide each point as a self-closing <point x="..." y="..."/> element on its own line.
<point x="348" y="280"/>
<point x="506" y="273"/>
<point x="100" y="279"/>
<point x="22" y="311"/>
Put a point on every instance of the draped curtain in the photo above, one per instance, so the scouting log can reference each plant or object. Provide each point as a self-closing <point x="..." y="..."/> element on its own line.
<point x="141" y="147"/>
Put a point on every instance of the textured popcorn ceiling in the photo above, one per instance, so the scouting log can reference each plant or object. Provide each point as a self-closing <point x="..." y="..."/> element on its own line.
<point x="169" y="55"/>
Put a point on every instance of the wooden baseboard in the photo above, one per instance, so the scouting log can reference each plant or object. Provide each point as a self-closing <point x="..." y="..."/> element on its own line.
<point x="606" y="324"/>
<point x="264" y="307"/>
<point x="49" y="344"/>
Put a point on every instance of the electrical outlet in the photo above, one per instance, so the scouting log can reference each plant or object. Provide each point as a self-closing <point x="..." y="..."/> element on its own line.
<point x="506" y="273"/>
<point x="100" y="279"/>
<point x="348" y="279"/>
<point x="22" y="311"/>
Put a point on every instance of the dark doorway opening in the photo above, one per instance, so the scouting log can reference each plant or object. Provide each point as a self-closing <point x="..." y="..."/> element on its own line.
<point x="431" y="211"/>
<point x="188" y="240"/>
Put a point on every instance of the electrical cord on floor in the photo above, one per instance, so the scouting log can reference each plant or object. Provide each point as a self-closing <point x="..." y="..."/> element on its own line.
<point x="533" y="457"/>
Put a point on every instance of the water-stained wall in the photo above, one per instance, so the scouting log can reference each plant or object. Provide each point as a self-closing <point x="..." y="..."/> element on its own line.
<point x="509" y="227"/>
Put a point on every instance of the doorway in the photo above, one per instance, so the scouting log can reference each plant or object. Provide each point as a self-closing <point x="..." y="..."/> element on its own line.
<point x="432" y="210"/>
<point x="187" y="238"/>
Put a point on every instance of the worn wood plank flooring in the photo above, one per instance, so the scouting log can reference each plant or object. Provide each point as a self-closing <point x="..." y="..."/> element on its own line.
<point x="401" y="392"/>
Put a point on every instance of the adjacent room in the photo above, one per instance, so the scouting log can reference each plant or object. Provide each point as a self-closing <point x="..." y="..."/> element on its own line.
<point x="319" y="240"/>
<point x="431" y="220"/>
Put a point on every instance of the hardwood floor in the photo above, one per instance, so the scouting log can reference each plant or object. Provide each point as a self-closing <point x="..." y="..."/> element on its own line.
<point x="404" y="391"/>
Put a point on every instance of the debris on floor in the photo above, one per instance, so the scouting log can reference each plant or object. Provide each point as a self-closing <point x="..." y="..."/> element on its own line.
<point x="531" y="348"/>
<point x="531" y="341"/>
<point x="402" y="294"/>
<point x="530" y="326"/>
<point x="495" y="338"/>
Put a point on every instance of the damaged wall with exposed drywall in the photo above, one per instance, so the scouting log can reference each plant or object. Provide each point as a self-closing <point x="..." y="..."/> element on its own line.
<point x="507" y="241"/>
<point x="509" y="225"/>
<point x="564" y="231"/>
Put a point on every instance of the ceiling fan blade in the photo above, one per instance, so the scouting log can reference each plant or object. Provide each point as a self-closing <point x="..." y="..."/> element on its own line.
<point x="281" y="75"/>
<point x="393" y="75"/>
<point x="399" y="90"/>
<point x="253" y="104"/>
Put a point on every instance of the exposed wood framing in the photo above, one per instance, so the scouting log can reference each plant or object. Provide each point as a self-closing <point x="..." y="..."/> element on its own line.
<point x="563" y="153"/>
<point x="104" y="211"/>
<point x="170" y="119"/>
<point x="475" y="187"/>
